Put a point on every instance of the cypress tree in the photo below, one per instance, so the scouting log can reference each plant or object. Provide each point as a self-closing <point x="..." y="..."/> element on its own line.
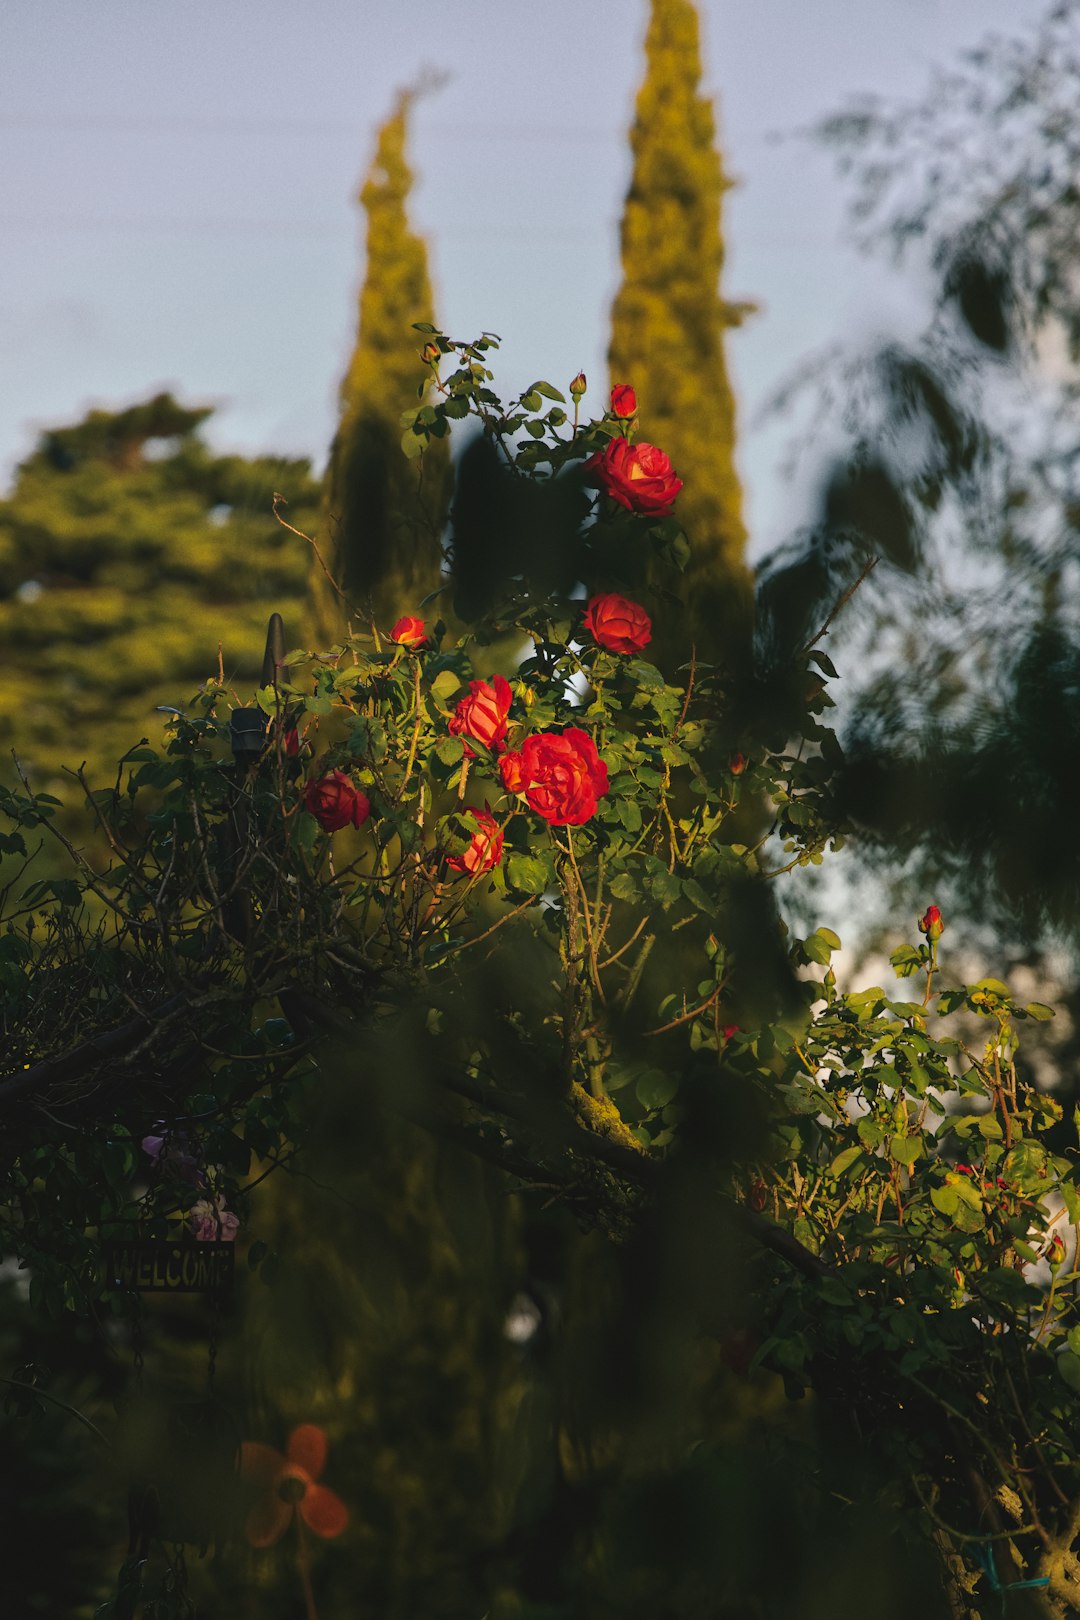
<point x="669" y="319"/>
<point x="383" y="514"/>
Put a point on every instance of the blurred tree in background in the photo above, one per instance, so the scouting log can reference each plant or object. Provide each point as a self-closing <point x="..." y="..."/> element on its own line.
<point x="128" y="551"/>
<point x="669" y="319"/>
<point x="383" y="516"/>
<point x="962" y="473"/>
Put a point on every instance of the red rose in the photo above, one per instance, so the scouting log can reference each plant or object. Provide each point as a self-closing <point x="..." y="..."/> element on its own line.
<point x="335" y="802"/>
<point x="737" y="764"/>
<point x="623" y="400"/>
<point x="483" y="713"/>
<point x="618" y="624"/>
<point x="410" y="632"/>
<point x="931" y="924"/>
<point x="485" y="850"/>
<point x="638" y="476"/>
<point x="560" y="774"/>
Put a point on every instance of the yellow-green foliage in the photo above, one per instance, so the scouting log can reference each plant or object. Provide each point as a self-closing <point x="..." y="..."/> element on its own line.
<point x="383" y="515"/>
<point x="669" y="319"/>
<point x="128" y="551"/>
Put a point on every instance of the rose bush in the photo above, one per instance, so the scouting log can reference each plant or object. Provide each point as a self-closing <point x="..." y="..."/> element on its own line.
<point x="609" y="1015"/>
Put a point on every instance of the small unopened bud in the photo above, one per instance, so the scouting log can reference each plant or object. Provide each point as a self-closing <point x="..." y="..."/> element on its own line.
<point x="931" y="924"/>
<point x="737" y="764"/>
<point x="623" y="400"/>
<point x="430" y="354"/>
<point x="1056" y="1252"/>
<point x="578" y="386"/>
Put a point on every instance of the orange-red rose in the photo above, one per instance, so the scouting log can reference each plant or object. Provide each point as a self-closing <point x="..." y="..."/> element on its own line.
<point x="623" y="400"/>
<point x="560" y="775"/>
<point x="638" y="476"/>
<point x="336" y="802"/>
<point x="410" y="632"/>
<point x="485" y="849"/>
<point x="618" y="624"/>
<point x="483" y="713"/>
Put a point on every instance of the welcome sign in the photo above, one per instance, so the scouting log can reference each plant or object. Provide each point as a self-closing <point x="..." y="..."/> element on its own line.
<point x="170" y="1268"/>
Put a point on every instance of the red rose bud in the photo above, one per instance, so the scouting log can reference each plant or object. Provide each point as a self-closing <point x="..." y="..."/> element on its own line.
<point x="290" y="742"/>
<point x="560" y="774"/>
<point x="410" y="632"/>
<point x="737" y="764"/>
<point x="1056" y="1252"/>
<point x="485" y="849"/>
<point x="638" y="476"/>
<point x="931" y="925"/>
<point x="335" y="802"/>
<point x="623" y="400"/>
<point x="759" y="1194"/>
<point x="618" y="624"/>
<point x="430" y="353"/>
<point x="578" y="386"/>
<point x="483" y="713"/>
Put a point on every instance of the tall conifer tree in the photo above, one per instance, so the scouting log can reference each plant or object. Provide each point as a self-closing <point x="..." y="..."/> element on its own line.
<point x="669" y="319"/>
<point x="383" y="514"/>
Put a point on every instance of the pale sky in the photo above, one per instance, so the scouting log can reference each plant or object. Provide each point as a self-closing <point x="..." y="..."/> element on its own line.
<point x="177" y="194"/>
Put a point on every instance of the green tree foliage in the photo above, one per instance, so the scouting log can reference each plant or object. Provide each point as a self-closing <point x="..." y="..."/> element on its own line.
<point x="128" y="551"/>
<point x="382" y="515"/>
<point x="669" y="319"/>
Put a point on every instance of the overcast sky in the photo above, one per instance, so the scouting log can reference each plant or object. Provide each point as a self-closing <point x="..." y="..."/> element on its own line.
<point x="178" y="181"/>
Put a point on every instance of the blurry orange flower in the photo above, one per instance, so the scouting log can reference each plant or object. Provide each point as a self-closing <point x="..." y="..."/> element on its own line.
<point x="287" y="1486"/>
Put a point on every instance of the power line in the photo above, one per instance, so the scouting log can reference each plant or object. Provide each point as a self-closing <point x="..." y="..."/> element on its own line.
<point x="294" y="228"/>
<point x="119" y="123"/>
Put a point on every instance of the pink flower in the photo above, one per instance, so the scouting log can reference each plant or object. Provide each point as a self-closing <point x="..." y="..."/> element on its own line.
<point x="212" y="1222"/>
<point x="173" y="1156"/>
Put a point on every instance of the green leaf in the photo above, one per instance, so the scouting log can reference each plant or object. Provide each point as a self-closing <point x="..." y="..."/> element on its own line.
<point x="655" y="1089"/>
<point x="1068" y="1366"/>
<point x="445" y="683"/>
<point x="1039" y="1011"/>
<point x="845" y="1160"/>
<point x="907" y="960"/>
<point x="528" y="874"/>
<point x="905" y="1149"/>
<point x="945" y="1199"/>
<point x="623" y="887"/>
<point x="449" y="750"/>
<point x="548" y="392"/>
